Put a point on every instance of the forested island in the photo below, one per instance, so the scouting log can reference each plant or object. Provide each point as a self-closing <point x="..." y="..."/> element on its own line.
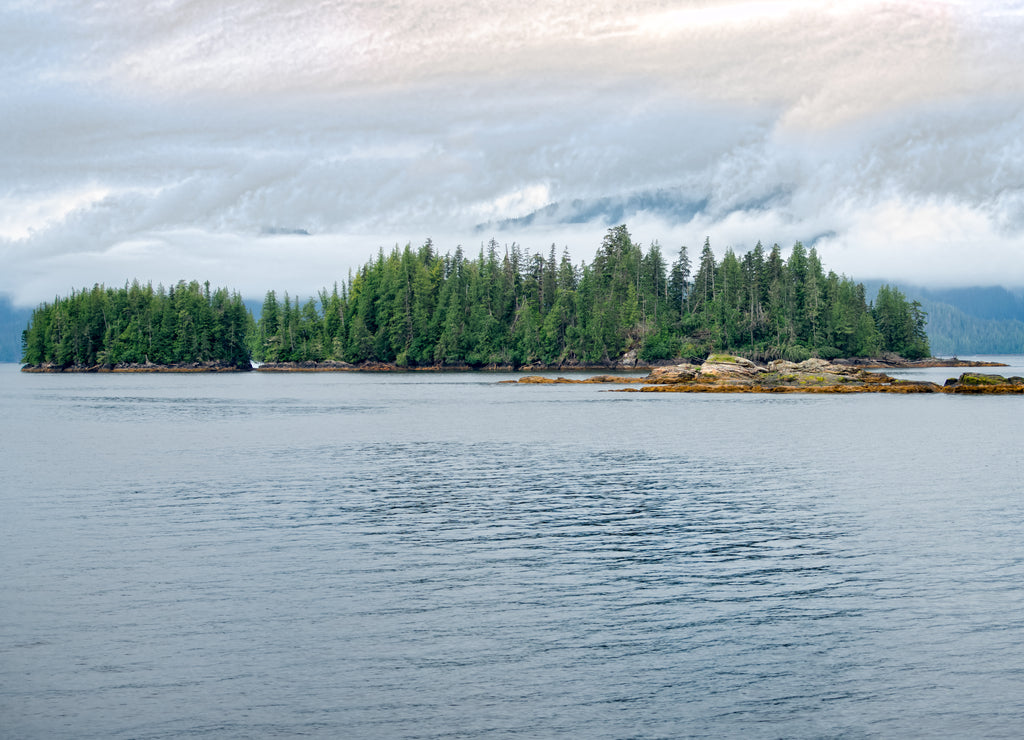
<point x="504" y="308"/>
<point x="185" y="326"/>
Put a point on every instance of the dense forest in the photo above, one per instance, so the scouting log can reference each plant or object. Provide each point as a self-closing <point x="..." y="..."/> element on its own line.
<point x="505" y="307"/>
<point x="952" y="331"/>
<point x="137" y="324"/>
<point x="980" y="320"/>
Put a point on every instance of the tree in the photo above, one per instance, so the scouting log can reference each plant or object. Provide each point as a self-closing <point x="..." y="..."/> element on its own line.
<point x="704" y="283"/>
<point x="418" y="307"/>
<point x="679" y="281"/>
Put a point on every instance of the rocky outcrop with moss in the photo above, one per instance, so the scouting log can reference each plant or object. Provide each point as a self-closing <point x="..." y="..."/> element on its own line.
<point x="731" y="374"/>
<point x="977" y="384"/>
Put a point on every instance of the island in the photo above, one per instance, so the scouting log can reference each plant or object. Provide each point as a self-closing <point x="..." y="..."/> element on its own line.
<point x="509" y="310"/>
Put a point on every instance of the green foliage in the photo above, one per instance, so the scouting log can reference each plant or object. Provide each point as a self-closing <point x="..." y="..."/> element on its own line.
<point x="511" y="307"/>
<point x="796" y="353"/>
<point x="951" y="330"/>
<point x="828" y="353"/>
<point x="506" y="306"/>
<point x="137" y="324"/>
<point x="901" y="324"/>
<point x="663" y="345"/>
<point x="975" y="379"/>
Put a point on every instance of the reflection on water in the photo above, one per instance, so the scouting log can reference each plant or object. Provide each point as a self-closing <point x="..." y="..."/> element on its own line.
<point x="440" y="556"/>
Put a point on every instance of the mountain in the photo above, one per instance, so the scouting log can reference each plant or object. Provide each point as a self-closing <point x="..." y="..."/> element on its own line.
<point x="670" y="204"/>
<point x="979" y="320"/>
<point x="13" y="321"/>
<point x="984" y="303"/>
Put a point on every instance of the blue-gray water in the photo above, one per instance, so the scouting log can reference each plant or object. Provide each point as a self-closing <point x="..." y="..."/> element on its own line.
<point x="427" y="556"/>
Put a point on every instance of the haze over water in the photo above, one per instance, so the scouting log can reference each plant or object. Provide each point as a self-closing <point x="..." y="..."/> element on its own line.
<point x="425" y="556"/>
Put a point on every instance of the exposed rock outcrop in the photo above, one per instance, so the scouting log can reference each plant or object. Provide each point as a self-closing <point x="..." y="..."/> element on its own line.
<point x="139" y="367"/>
<point x="729" y="374"/>
<point x="673" y="374"/>
<point x="730" y="369"/>
<point x="726" y="374"/>
<point x="545" y="380"/>
<point x="305" y="367"/>
<point x="977" y="384"/>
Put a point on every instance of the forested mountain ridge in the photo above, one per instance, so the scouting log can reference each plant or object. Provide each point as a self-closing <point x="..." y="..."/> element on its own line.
<point x="505" y="307"/>
<point x="953" y="331"/>
<point x="12" y="323"/>
<point x="978" y="320"/>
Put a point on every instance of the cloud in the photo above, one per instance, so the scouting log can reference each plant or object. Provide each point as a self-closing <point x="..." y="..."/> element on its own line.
<point x="183" y="135"/>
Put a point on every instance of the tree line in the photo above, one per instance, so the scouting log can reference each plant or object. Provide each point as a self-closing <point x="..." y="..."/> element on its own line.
<point x="506" y="306"/>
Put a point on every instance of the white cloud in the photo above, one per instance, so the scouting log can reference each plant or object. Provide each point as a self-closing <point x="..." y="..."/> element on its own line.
<point x="22" y="214"/>
<point x="168" y="139"/>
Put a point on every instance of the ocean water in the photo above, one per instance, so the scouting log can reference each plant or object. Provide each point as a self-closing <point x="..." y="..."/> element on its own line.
<point x="442" y="556"/>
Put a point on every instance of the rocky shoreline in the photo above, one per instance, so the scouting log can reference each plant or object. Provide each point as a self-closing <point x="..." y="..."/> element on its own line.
<point x="730" y="374"/>
<point x="133" y="367"/>
<point x="628" y="363"/>
<point x="895" y="362"/>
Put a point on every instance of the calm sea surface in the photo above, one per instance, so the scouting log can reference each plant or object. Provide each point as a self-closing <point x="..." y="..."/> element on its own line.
<point x="428" y="556"/>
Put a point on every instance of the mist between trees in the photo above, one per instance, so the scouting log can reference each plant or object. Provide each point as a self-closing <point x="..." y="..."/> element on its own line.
<point x="504" y="307"/>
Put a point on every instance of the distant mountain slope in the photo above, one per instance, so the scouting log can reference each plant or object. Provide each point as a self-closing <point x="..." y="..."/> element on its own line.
<point x="951" y="331"/>
<point x="610" y="210"/>
<point x="969" y="321"/>
<point x="13" y="321"/>
<point x="672" y="205"/>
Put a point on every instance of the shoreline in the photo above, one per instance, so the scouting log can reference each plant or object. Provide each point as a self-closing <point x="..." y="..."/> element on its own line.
<point x="192" y="367"/>
<point x="888" y="362"/>
<point x="334" y="366"/>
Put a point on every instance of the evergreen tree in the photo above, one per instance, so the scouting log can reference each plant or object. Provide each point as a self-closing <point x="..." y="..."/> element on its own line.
<point x="505" y="306"/>
<point x="679" y="282"/>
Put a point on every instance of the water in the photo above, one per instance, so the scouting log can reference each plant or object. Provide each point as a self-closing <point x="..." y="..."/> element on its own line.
<point x="427" y="556"/>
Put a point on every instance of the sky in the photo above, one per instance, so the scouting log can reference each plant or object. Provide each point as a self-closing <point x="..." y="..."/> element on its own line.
<point x="278" y="144"/>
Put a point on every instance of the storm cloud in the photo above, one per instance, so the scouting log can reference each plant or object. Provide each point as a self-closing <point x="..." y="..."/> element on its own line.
<point x="266" y="144"/>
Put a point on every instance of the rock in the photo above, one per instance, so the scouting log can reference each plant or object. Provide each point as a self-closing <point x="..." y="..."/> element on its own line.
<point x="981" y="379"/>
<point x="537" y="380"/>
<point x="674" y="373"/>
<point x="729" y="369"/>
<point x="812" y="366"/>
<point x="729" y="374"/>
<point x="210" y="366"/>
<point x="544" y="380"/>
<point x="611" y="379"/>
<point x="308" y="366"/>
<point x="978" y="384"/>
<point x="628" y="360"/>
<point x="782" y="366"/>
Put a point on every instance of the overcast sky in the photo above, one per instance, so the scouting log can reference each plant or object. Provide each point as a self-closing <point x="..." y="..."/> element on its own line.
<point x="278" y="143"/>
